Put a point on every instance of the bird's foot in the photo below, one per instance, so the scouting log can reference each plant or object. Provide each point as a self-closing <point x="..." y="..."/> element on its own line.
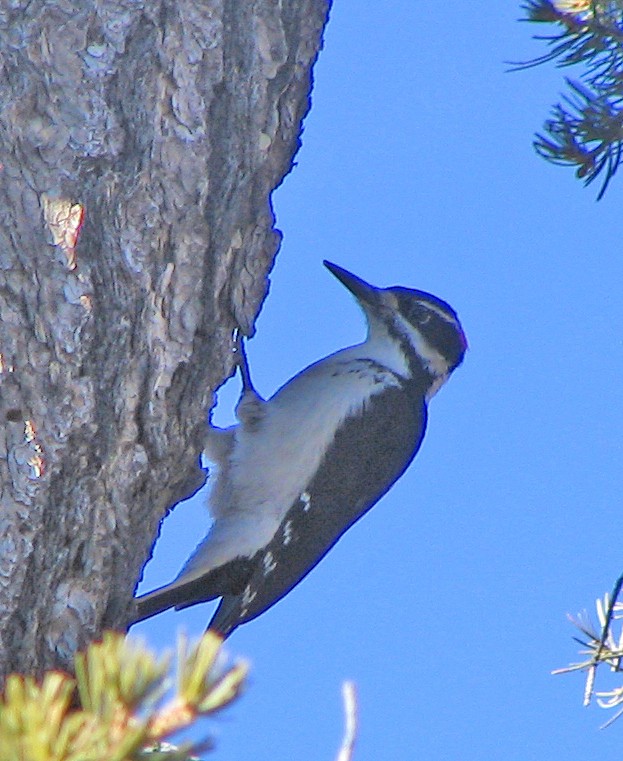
<point x="249" y="409"/>
<point x="242" y="361"/>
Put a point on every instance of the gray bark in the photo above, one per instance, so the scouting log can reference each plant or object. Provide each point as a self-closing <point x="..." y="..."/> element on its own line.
<point x="140" y="142"/>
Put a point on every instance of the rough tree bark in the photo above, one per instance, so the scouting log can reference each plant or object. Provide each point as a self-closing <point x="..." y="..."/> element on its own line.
<point x="140" y="141"/>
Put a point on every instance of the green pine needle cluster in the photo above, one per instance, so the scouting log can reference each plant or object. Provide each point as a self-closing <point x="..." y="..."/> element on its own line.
<point x="586" y="129"/>
<point x="115" y="708"/>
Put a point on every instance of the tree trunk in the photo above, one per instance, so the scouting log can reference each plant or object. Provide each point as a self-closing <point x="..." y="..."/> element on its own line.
<point x="140" y="143"/>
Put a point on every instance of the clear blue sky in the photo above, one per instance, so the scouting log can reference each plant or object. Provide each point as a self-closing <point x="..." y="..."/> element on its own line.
<point x="447" y="603"/>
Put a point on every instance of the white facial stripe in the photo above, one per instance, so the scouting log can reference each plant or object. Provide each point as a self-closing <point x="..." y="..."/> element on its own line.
<point x="433" y="360"/>
<point x="435" y="386"/>
<point x="392" y="302"/>
<point x="441" y="312"/>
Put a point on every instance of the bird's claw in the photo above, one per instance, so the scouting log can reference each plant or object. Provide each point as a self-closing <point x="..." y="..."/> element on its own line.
<point x="241" y="360"/>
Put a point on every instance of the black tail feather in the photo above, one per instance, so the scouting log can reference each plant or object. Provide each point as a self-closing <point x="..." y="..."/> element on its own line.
<point x="227" y="580"/>
<point x="227" y="616"/>
<point x="156" y="602"/>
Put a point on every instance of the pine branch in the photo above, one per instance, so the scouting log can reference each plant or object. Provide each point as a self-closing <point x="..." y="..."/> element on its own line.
<point x="601" y="646"/>
<point x="586" y="129"/>
<point x="115" y="708"/>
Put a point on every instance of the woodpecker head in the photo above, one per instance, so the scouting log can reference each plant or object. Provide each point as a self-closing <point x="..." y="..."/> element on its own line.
<point x="426" y="329"/>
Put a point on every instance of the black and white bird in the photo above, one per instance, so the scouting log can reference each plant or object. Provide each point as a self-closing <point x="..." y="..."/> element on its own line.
<point x="301" y="467"/>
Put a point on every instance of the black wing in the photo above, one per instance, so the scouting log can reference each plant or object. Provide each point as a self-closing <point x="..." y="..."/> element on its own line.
<point x="370" y="452"/>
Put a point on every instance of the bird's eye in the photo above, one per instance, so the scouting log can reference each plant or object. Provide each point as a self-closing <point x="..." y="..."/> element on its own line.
<point x="417" y="313"/>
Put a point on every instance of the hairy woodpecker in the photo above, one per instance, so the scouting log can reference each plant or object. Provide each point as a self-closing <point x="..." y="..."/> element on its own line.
<point x="301" y="467"/>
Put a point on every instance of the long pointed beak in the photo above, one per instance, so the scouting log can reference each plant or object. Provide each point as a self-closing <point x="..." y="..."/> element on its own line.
<point x="365" y="293"/>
